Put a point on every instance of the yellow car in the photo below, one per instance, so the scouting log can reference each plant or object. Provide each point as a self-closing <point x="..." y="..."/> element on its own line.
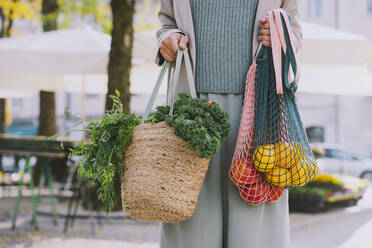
<point x="326" y="189"/>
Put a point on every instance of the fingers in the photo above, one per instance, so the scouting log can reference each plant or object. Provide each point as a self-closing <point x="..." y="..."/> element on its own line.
<point x="183" y="42"/>
<point x="266" y="40"/>
<point x="168" y="54"/>
<point x="173" y="43"/>
<point x="169" y="46"/>
<point x="264" y="33"/>
<point x="262" y="21"/>
<point x="266" y="25"/>
<point x="266" y="43"/>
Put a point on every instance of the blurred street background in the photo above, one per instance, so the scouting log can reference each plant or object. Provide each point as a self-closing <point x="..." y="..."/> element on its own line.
<point x="59" y="59"/>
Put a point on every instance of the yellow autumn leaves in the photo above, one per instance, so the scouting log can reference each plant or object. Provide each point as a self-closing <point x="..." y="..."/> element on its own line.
<point x="20" y="9"/>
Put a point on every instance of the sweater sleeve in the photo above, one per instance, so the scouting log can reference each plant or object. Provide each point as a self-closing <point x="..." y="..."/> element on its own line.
<point x="292" y="8"/>
<point x="168" y="26"/>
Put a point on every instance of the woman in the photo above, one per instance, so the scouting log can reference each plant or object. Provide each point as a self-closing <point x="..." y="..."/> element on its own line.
<point x="222" y="37"/>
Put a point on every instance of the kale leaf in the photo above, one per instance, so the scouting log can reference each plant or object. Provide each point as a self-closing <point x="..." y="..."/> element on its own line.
<point x="202" y="124"/>
<point x="102" y="158"/>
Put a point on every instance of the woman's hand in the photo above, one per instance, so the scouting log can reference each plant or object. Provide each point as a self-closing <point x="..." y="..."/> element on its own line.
<point x="264" y="33"/>
<point x="169" y="46"/>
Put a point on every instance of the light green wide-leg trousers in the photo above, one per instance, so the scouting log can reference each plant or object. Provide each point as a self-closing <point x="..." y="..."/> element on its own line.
<point x="221" y="218"/>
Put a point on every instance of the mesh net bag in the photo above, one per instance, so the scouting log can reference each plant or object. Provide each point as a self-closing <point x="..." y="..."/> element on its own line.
<point x="272" y="151"/>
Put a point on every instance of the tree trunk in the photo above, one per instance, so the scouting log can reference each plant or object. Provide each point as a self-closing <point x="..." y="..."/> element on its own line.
<point x="47" y="123"/>
<point x="2" y="25"/>
<point x="121" y="52"/>
<point x="2" y="124"/>
<point x="50" y="14"/>
<point x="47" y="117"/>
<point x="2" y="115"/>
<point x="119" y="71"/>
<point x="9" y="27"/>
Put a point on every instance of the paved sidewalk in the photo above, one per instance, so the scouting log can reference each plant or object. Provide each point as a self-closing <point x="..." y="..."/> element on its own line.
<point x="336" y="228"/>
<point x="91" y="243"/>
<point x="115" y="231"/>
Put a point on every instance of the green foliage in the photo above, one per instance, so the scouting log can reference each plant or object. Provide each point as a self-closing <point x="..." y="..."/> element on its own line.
<point x="103" y="155"/>
<point x="326" y="185"/>
<point x="316" y="188"/>
<point x="318" y="152"/>
<point x="99" y="11"/>
<point x="204" y="126"/>
<point x="314" y="191"/>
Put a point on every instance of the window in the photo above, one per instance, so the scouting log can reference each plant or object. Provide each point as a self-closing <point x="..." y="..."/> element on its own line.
<point x="334" y="153"/>
<point x="309" y="9"/>
<point x="92" y="96"/>
<point x="343" y="154"/>
<point x="17" y="102"/>
<point x="319" y="8"/>
<point x="369" y="6"/>
<point x="314" y="9"/>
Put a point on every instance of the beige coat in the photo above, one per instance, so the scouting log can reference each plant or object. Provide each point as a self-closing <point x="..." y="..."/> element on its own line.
<point x="175" y="16"/>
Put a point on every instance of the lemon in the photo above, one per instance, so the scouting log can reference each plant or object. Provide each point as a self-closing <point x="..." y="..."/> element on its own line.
<point x="288" y="154"/>
<point x="280" y="177"/>
<point x="314" y="171"/>
<point x="299" y="151"/>
<point x="264" y="158"/>
<point x="300" y="173"/>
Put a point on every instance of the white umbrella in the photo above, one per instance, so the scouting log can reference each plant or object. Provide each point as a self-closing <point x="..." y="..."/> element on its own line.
<point x="41" y="61"/>
<point x="55" y="52"/>
<point x="72" y="60"/>
<point x="73" y="83"/>
<point x="15" y="93"/>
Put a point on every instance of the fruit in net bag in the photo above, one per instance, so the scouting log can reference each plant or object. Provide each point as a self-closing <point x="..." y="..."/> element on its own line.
<point x="264" y="158"/>
<point x="300" y="173"/>
<point x="242" y="173"/>
<point x="287" y="154"/>
<point x="256" y="193"/>
<point x="280" y="177"/>
<point x="275" y="194"/>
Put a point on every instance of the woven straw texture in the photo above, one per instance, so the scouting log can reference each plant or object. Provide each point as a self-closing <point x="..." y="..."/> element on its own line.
<point x="162" y="175"/>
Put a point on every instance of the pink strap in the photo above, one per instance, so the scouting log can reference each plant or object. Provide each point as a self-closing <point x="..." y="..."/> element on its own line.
<point x="278" y="44"/>
<point x="291" y="39"/>
<point x="277" y="52"/>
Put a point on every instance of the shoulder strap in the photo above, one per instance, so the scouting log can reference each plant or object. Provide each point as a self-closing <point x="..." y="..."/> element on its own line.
<point x="279" y="45"/>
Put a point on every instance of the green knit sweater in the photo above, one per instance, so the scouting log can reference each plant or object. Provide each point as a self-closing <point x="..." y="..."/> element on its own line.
<point x="223" y="33"/>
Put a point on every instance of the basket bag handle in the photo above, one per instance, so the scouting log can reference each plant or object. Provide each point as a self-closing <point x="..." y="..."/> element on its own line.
<point x="167" y="66"/>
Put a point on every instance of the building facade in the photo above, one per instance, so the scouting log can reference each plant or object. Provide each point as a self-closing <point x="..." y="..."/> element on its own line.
<point x="344" y="119"/>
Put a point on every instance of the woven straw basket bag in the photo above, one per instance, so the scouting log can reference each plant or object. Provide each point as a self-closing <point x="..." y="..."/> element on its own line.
<point x="162" y="176"/>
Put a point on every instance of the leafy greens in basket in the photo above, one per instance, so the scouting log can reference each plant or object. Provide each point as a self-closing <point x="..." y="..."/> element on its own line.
<point x="202" y="124"/>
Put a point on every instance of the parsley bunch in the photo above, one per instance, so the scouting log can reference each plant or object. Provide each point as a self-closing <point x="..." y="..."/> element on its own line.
<point x="103" y="156"/>
<point x="202" y="124"/>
